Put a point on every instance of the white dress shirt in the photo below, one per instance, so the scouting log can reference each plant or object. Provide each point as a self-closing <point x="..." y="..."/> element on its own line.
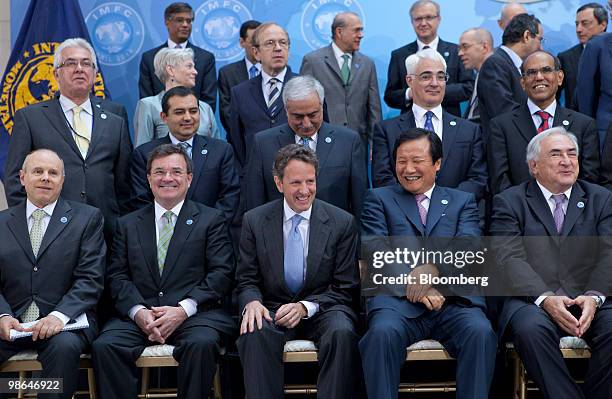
<point x="427" y="199"/>
<point x="312" y="144"/>
<point x="537" y="121"/>
<point x="171" y="44"/>
<point x="265" y="78"/>
<point x="419" y="118"/>
<point x="86" y="114"/>
<point x="338" y="54"/>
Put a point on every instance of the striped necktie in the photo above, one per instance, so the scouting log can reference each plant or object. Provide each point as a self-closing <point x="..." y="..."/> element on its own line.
<point x="82" y="135"/>
<point x="273" y="94"/>
<point x="165" y="235"/>
<point x="36" y="235"/>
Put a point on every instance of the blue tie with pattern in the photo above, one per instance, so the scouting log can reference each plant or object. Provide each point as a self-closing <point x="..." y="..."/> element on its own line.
<point x="253" y="71"/>
<point x="294" y="256"/>
<point x="428" y="123"/>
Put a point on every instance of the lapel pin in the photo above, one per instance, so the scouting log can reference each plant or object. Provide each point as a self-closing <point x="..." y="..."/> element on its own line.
<point x="565" y="123"/>
<point x="453" y="123"/>
<point x="444" y="202"/>
<point x="64" y="219"/>
<point x="98" y="105"/>
<point x="357" y="66"/>
<point x="328" y="140"/>
<point x="446" y="54"/>
<point x="444" y="214"/>
<point x="204" y="152"/>
<point x="103" y="116"/>
<point x="189" y="222"/>
<point x="580" y="204"/>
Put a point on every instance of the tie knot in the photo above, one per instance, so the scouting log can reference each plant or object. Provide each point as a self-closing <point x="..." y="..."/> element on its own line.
<point x="543" y="114"/>
<point x="559" y="199"/>
<point x="295" y="221"/>
<point x="168" y="216"/>
<point x="273" y="81"/>
<point x="185" y="145"/>
<point x="346" y="57"/>
<point x="305" y="141"/>
<point x="38" y="215"/>
<point x="77" y="110"/>
<point x="420" y="198"/>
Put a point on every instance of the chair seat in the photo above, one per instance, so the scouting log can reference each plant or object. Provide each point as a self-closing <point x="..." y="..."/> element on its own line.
<point x="427" y="344"/>
<point x="299" y="345"/>
<point x="564" y="343"/>
<point x="31" y="354"/>
<point x="158" y="351"/>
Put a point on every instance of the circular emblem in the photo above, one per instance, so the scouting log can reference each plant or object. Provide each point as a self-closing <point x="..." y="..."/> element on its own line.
<point x="217" y="27"/>
<point x="580" y="204"/>
<point x="444" y="202"/>
<point x="318" y="16"/>
<point x="103" y="116"/>
<point x="328" y="140"/>
<point x="64" y="219"/>
<point x="189" y="222"/>
<point x="453" y="123"/>
<point x="117" y="32"/>
<point x="565" y="123"/>
<point x="204" y="152"/>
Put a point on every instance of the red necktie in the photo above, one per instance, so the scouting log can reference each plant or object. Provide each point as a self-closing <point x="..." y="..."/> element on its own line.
<point x="545" y="117"/>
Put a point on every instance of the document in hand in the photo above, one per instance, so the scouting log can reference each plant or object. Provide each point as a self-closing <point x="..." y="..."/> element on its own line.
<point x="78" y="324"/>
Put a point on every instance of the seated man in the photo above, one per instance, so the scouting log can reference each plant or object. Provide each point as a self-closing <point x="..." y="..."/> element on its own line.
<point x="298" y="278"/>
<point x="171" y="264"/>
<point x="418" y="207"/>
<point x="563" y="279"/>
<point x="51" y="270"/>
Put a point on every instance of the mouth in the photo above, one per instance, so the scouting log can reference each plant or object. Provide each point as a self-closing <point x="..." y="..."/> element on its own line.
<point x="412" y="178"/>
<point x="540" y="86"/>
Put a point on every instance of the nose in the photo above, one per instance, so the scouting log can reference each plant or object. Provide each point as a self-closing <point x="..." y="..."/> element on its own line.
<point x="44" y="176"/>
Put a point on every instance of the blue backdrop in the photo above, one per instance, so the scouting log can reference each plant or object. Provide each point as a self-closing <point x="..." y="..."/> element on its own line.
<point x="121" y="30"/>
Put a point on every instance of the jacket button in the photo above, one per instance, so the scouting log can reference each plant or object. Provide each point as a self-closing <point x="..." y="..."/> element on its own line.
<point x="161" y="294"/>
<point x="82" y="194"/>
<point x="35" y="268"/>
<point x="272" y="120"/>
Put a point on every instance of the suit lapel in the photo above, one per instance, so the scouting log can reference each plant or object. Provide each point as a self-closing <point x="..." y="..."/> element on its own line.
<point x="450" y="129"/>
<point x="59" y="122"/>
<point x="330" y="60"/>
<point x="286" y="137"/>
<point x="274" y="242"/>
<point x="356" y="64"/>
<point x="506" y="57"/>
<point x="148" y="241"/>
<point x="437" y="207"/>
<point x="318" y="237"/>
<point x="577" y="202"/>
<point x="539" y="205"/>
<point x="407" y="204"/>
<point x="257" y="92"/>
<point x="563" y="118"/>
<point x="199" y="154"/>
<point x="524" y="123"/>
<point x="325" y="143"/>
<point x="99" y="127"/>
<point x="18" y="225"/>
<point x="59" y="220"/>
<point x="187" y="219"/>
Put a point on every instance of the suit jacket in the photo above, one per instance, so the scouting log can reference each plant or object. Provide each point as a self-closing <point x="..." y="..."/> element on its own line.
<point x="100" y="180"/>
<point x="512" y="131"/>
<point x="206" y="81"/>
<point x="105" y="104"/>
<point x="392" y="211"/>
<point x="549" y="260"/>
<point x="229" y="76"/>
<point x="594" y="91"/>
<point x="67" y="275"/>
<point x="463" y="157"/>
<point x="499" y="88"/>
<point x="199" y="264"/>
<point x="606" y="161"/>
<point x="458" y="88"/>
<point x="332" y="276"/>
<point x="569" y="64"/>
<point x="356" y="105"/>
<point x="249" y="114"/>
<point x="342" y="179"/>
<point x="215" y="180"/>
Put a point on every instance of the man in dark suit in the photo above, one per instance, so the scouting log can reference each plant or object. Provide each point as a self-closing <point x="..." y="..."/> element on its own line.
<point x="499" y="80"/>
<point x="94" y="144"/>
<point x="463" y="161"/>
<point x="425" y="17"/>
<point x="51" y="270"/>
<point x="298" y="278"/>
<point x="215" y="180"/>
<point x="349" y="79"/>
<point x="553" y="244"/>
<point x="172" y="263"/>
<point x="418" y="207"/>
<point x="512" y="131"/>
<point x="591" y="20"/>
<point x="342" y="179"/>
<point x="237" y="72"/>
<point x="475" y="46"/>
<point x="178" y="18"/>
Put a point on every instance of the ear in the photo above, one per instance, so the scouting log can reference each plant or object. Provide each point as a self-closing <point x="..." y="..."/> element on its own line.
<point x="163" y="117"/>
<point x="560" y="77"/>
<point x="523" y="84"/>
<point x="22" y="177"/>
<point x="279" y="184"/>
<point x="409" y="80"/>
<point x="526" y="36"/>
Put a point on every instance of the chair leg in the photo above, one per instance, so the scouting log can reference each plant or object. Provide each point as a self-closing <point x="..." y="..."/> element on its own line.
<point x="217" y="384"/>
<point x="522" y="380"/>
<point x="144" y="387"/>
<point x="91" y="382"/>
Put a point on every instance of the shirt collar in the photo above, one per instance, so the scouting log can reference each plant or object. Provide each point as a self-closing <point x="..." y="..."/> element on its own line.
<point x="516" y="60"/>
<point x="174" y="140"/>
<point x="288" y="212"/>
<point x="548" y="194"/>
<point x="429" y="192"/>
<point x="160" y="210"/>
<point x="339" y="53"/>
<point x="30" y="208"/>
<point x="266" y="78"/>
<point x="67" y="104"/>
<point x="313" y="138"/>
<point x="534" y="108"/>
<point x="171" y="44"/>
<point x="249" y="64"/>
<point x="419" y="112"/>
<point x="433" y="44"/>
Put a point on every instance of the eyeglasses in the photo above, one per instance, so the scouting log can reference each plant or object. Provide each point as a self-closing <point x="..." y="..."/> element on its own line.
<point x="545" y="71"/>
<point x="540" y="38"/>
<point x="426" y="18"/>
<point x="271" y="44"/>
<point x="466" y="46"/>
<point x="182" y="20"/>
<point x="427" y="77"/>
<point x="159" y="173"/>
<point x="71" y="63"/>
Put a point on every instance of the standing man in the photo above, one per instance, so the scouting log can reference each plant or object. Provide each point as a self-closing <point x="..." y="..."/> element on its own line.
<point x="237" y="72"/>
<point x="94" y="144"/>
<point x="298" y="279"/>
<point x="591" y="20"/>
<point x="512" y="131"/>
<point x="51" y="270"/>
<point x="172" y="263"/>
<point x="509" y="11"/>
<point x="178" y="18"/>
<point x="475" y="46"/>
<point x="554" y="244"/>
<point x="342" y="179"/>
<point x="349" y="78"/>
<point x="425" y="17"/>
<point x="463" y="162"/>
<point x="499" y="79"/>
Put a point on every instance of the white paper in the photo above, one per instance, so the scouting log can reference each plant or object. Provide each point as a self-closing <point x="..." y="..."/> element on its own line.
<point x="78" y="324"/>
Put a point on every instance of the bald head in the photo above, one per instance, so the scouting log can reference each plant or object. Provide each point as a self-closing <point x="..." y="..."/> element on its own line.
<point x="475" y="46"/>
<point x="508" y="12"/>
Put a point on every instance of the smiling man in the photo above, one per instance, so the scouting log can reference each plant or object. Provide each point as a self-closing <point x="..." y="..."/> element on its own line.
<point x="298" y="279"/>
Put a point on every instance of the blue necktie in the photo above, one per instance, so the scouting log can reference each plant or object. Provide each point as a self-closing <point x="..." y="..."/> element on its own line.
<point x="428" y="123"/>
<point x="305" y="142"/>
<point x="253" y="71"/>
<point x="186" y="146"/>
<point x="294" y="256"/>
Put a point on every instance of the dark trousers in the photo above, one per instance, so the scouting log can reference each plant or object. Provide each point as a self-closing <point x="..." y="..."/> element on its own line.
<point x="59" y="356"/>
<point x="120" y="344"/>
<point x="261" y="354"/>
<point x="465" y="332"/>
<point x="536" y="339"/>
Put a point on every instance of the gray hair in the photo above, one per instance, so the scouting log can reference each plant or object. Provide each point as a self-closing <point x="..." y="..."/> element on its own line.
<point x="412" y="61"/>
<point x="340" y="21"/>
<point x="301" y="87"/>
<point x="24" y="165"/>
<point x="73" y="42"/>
<point x="170" y="57"/>
<point x="420" y="3"/>
<point x="535" y="145"/>
<point x="482" y="35"/>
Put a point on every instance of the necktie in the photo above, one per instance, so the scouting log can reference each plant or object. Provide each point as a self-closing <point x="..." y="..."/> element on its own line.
<point x="177" y="46"/>
<point x="345" y="71"/>
<point x="545" y="117"/>
<point x="164" y="240"/>
<point x="294" y="256"/>
<point x="253" y="71"/>
<point x="428" y="122"/>
<point x="558" y="214"/>
<point x="82" y="136"/>
<point x="425" y="47"/>
<point x="474" y="113"/>
<point x="186" y="146"/>
<point x="36" y="235"/>
<point x="422" y="211"/>
<point x="273" y="94"/>
<point x="305" y="141"/>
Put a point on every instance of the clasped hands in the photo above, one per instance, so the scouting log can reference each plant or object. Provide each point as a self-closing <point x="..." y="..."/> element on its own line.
<point x="288" y="315"/>
<point x="44" y="328"/>
<point x="160" y="322"/>
<point x="424" y="293"/>
<point x="556" y="307"/>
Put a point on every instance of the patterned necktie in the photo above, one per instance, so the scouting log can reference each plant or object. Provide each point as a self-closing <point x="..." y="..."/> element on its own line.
<point x="473" y="109"/>
<point x="186" y="146"/>
<point x="545" y="117"/>
<point x="345" y="71"/>
<point x="428" y="122"/>
<point x="165" y="235"/>
<point x="36" y="235"/>
<point x="305" y="141"/>
<point x="253" y="71"/>
<point x="422" y="211"/>
<point x="294" y="256"/>
<point x="82" y="136"/>
<point x="273" y="94"/>
<point x="558" y="214"/>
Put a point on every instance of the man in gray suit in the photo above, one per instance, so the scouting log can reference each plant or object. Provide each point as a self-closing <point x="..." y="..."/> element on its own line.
<point x="349" y="78"/>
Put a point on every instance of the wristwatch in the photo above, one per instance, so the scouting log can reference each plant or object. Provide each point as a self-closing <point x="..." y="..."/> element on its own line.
<point x="598" y="301"/>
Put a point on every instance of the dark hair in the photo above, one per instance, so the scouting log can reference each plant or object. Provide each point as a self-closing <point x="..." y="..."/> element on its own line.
<point x="165" y="150"/>
<point x="176" y="8"/>
<point x="435" y="144"/>
<point x="293" y="152"/>
<point x="340" y="21"/>
<point x="556" y="60"/>
<point x="250" y="24"/>
<point x="517" y="27"/>
<point x="180" y="91"/>
<point x="599" y="12"/>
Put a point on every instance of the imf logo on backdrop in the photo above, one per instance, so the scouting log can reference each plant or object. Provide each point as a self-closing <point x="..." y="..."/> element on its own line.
<point x="217" y="27"/>
<point x="318" y="16"/>
<point x="117" y="32"/>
